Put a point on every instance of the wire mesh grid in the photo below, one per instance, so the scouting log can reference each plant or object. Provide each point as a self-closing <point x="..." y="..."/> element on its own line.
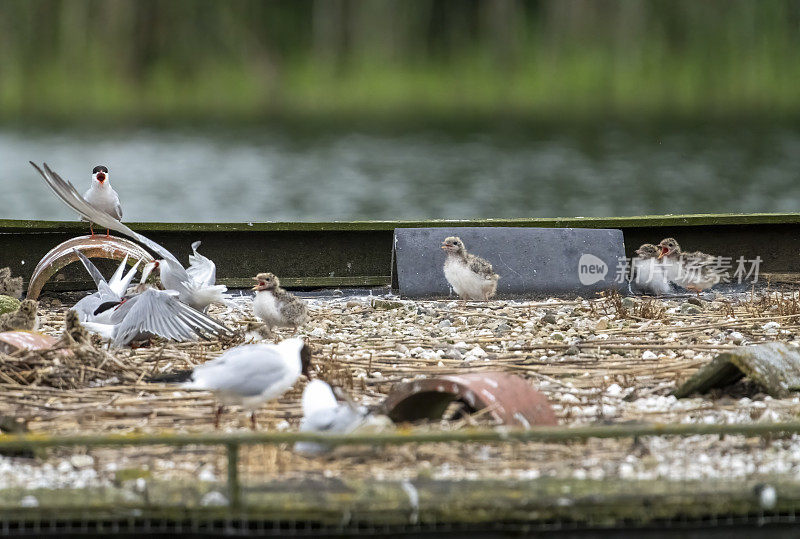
<point x="244" y="487"/>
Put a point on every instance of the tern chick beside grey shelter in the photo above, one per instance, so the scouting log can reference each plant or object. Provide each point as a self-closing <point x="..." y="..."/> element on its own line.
<point x="531" y="261"/>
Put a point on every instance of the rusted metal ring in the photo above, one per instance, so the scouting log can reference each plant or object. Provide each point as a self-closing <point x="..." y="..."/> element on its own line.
<point x="510" y="399"/>
<point x="112" y="248"/>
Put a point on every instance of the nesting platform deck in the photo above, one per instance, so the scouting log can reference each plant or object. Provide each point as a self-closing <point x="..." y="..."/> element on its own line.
<point x="602" y="361"/>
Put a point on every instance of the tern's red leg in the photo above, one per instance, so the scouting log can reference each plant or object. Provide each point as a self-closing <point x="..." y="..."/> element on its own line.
<point x="108" y="233"/>
<point x="217" y="417"/>
<point x="91" y="229"/>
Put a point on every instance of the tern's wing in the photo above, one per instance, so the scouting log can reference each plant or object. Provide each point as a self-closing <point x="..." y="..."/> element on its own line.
<point x="121" y="286"/>
<point x="201" y="269"/>
<point x="118" y="272"/>
<point x="160" y="313"/>
<point x="72" y="198"/>
<point x="97" y="277"/>
<point x="245" y="371"/>
<point x="341" y="419"/>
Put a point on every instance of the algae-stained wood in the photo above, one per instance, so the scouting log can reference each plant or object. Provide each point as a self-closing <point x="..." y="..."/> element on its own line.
<point x="775" y="367"/>
<point x="358" y="252"/>
<point x="334" y="502"/>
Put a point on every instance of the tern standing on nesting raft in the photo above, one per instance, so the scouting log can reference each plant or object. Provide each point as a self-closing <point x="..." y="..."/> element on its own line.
<point x="102" y="196"/>
<point x="323" y="413"/>
<point x="249" y="375"/>
<point x="275" y="306"/>
<point x="471" y="276"/>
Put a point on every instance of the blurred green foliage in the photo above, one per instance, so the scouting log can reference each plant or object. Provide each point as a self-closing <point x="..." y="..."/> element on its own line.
<point x="253" y="59"/>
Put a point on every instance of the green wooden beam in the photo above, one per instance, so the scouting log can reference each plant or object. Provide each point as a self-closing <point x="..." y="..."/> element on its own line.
<point x="401" y="437"/>
<point x="359" y="253"/>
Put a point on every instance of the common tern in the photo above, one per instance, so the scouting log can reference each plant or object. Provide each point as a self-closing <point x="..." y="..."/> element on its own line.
<point x="154" y="313"/>
<point x="24" y="318"/>
<point x="649" y="273"/>
<point x="107" y="291"/>
<point x="323" y="413"/>
<point x="192" y="291"/>
<point x="102" y="196"/>
<point x="199" y="291"/>
<point x="694" y="271"/>
<point x="275" y="306"/>
<point x="471" y="276"/>
<point x="122" y="318"/>
<point x="248" y="375"/>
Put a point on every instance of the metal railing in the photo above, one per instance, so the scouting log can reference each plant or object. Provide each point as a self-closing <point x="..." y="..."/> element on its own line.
<point x="233" y="442"/>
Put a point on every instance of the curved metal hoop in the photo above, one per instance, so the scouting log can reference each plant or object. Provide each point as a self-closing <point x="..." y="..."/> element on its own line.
<point x="112" y="248"/>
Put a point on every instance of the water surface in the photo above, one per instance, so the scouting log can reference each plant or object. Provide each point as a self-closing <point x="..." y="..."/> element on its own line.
<point x="274" y="175"/>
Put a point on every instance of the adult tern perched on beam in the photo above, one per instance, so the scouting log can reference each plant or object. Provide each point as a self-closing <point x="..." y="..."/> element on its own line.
<point x="123" y="319"/>
<point x="102" y="196"/>
<point x="192" y="286"/>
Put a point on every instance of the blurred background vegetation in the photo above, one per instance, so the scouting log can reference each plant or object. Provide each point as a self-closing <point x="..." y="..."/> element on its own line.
<point x="238" y="60"/>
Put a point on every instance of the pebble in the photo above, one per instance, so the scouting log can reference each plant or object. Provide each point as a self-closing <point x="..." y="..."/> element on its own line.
<point x="602" y="323"/>
<point x="549" y="318"/>
<point x="453" y="353"/>
<point x="695" y="301"/>
<point x="688" y="308"/>
<point x="649" y="355"/>
<point x="771" y="327"/>
<point x="29" y="501"/>
<point x="446" y="323"/>
<point x="213" y="498"/>
<point x="317" y="332"/>
<point x="81" y="461"/>
<point x="736" y="337"/>
<point x="477" y="352"/>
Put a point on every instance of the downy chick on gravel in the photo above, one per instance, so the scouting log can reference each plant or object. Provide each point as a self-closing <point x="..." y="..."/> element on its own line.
<point x="649" y="273"/>
<point x="471" y="276"/>
<point x="275" y="306"/>
<point x="24" y="318"/>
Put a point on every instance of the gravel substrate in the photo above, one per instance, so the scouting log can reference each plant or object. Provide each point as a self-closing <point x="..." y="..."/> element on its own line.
<point x="608" y="360"/>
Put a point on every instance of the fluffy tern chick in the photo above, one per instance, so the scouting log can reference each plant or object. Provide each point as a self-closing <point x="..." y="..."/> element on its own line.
<point x="24" y="318"/>
<point x="249" y="375"/>
<point x="693" y="271"/>
<point x="275" y="306"/>
<point x="471" y="276"/>
<point x="10" y="286"/>
<point x="649" y="273"/>
<point x="102" y="196"/>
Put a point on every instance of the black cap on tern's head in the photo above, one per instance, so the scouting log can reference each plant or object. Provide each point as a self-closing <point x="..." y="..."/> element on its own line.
<point x="100" y="173"/>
